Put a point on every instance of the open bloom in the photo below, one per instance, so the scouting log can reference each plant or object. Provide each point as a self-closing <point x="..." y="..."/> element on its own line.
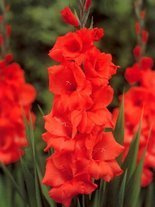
<point x="68" y="82"/>
<point x="59" y="130"/>
<point x="74" y="45"/>
<point x="98" y="67"/>
<point x="68" y="177"/>
<point x="98" y="152"/>
<point x="97" y="115"/>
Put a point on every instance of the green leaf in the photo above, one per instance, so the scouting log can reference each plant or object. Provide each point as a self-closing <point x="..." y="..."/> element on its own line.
<point x="131" y="159"/>
<point x="29" y="183"/>
<point x="149" y="195"/>
<point x="91" y="23"/>
<point x="119" y="128"/>
<point x="75" y="12"/>
<point x="37" y="187"/>
<point x="121" y="193"/>
<point x="83" y="200"/>
<point x="40" y="109"/>
<point x="96" y="200"/>
<point x="102" y="191"/>
<point x="78" y="203"/>
<point x="134" y="186"/>
<point x="37" y="190"/>
<point x="14" y="183"/>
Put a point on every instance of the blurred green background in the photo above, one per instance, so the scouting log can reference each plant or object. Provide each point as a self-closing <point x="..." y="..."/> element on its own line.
<point x="37" y="23"/>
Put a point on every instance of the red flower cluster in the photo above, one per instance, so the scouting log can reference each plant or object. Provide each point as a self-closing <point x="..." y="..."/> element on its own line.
<point x="75" y="127"/>
<point x="141" y="98"/>
<point x="16" y="97"/>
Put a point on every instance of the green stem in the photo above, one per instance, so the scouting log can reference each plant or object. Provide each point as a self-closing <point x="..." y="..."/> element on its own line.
<point x="4" y="46"/>
<point x="83" y="13"/>
<point x="138" y="6"/>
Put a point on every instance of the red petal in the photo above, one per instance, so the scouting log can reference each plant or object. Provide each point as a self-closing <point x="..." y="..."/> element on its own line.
<point x="69" y="17"/>
<point x="53" y="176"/>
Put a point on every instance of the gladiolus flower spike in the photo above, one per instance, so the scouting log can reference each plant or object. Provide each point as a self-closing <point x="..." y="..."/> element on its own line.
<point x="83" y="152"/>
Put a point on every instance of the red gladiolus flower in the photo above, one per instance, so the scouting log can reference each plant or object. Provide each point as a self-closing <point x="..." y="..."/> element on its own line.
<point x="59" y="129"/>
<point x="85" y="121"/>
<point x="68" y="82"/>
<point x="98" y="67"/>
<point x="101" y="151"/>
<point x="80" y="84"/>
<point x="16" y="97"/>
<point x="139" y="71"/>
<point x="74" y="45"/>
<point x="69" y="17"/>
<point x="133" y="74"/>
<point x="69" y="178"/>
<point x="138" y="99"/>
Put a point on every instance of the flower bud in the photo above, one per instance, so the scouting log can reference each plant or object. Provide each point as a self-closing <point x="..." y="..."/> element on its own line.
<point x="69" y="17"/>
<point x="88" y="4"/>
<point x="137" y="51"/>
<point x="145" y="35"/>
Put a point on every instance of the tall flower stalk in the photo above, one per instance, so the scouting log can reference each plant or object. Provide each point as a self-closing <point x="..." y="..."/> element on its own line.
<point x="5" y="30"/>
<point x="16" y="97"/>
<point x="75" y="127"/>
<point x="140" y="98"/>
